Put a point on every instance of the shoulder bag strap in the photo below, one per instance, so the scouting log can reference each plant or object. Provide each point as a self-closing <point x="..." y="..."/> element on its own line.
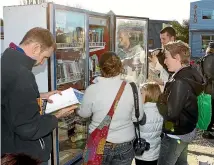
<point x="117" y="98"/>
<point x="136" y="105"/>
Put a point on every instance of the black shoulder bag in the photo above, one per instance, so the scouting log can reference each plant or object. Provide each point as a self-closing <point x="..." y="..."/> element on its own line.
<point x="140" y="145"/>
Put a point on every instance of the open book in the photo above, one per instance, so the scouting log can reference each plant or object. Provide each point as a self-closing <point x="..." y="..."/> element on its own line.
<point x="69" y="97"/>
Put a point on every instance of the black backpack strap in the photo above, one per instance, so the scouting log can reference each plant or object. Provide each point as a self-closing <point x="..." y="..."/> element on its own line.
<point x="136" y="105"/>
<point x="136" y="99"/>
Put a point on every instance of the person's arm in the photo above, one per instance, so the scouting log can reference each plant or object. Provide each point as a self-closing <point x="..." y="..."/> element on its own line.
<point x="87" y="103"/>
<point x="26" y="120"/>
<point x="176" y="99"/>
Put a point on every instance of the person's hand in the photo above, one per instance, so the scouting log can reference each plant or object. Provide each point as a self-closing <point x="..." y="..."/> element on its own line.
<point x="66" y="111"/>
<point x="48" y="94"/>
<point x="153" y="59"/>
<point x="154" y="53"/>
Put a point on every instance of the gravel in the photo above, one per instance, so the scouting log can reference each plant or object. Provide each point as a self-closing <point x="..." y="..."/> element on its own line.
<point x="200" y="150"/>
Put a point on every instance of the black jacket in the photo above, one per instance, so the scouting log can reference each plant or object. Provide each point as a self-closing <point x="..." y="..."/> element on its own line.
<point x="207" y="70"/>
<point x="23" y="129"/>
<point x="178" y="103"/>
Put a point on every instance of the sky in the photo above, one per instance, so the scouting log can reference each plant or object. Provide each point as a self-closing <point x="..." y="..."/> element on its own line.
<point x="153" y="9"/>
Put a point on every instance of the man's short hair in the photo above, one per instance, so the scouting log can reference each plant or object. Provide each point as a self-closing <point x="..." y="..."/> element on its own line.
<point x="169" y="30"/>
<point x="40" y="35"/>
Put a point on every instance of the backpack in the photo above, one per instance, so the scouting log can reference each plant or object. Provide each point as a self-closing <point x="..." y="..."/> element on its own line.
<point x="206" y="69"/>
<point x="204" y="100"/>
<point x="204" y="111"/>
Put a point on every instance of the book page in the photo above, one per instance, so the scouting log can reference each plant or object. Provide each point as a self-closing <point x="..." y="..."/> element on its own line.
<point x="67" y="98"/>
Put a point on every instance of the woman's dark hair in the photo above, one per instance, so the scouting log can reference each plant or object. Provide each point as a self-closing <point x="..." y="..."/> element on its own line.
<point x="18" y="159"/>
<point x="110" y="64"/>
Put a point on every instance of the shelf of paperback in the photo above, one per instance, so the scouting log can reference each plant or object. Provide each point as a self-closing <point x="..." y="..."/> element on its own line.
<point x="70" y="69"/>
<point x="72" y="135"/>
<point x="82" y="37"/>
<point x="69" y="72"/>
<point x="70" y="30"/>
<point x="99" y="40"/>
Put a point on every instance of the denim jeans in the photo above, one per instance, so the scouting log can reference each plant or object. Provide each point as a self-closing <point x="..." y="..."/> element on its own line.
<point x="173" y="152"/>
<point x="121" y="154"/>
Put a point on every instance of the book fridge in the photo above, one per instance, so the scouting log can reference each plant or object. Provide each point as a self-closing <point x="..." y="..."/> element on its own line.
<point x="82" y="37"/>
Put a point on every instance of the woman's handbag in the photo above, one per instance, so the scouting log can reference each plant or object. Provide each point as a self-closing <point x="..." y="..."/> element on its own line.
<point x="140" y="145"/>
<point x="94" y="149"/>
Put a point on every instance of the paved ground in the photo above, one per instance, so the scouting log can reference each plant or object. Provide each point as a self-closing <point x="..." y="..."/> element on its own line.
<point x="200" y="149"/>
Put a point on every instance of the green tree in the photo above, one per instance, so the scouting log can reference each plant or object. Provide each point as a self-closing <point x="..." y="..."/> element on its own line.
<point x="31" y="2"/>
<point x="182" y="30"/>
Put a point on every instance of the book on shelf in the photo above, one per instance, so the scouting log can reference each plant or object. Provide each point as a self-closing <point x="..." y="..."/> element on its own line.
<point x="69" y="155"/>
<point x="68" y="98"/>
<point x="62" y="71"/>
<point x="69" y="70"/>
<point x="74" y="67"/>
<point x="58" y="71"/>
<point x="65" y="71"/>
<point x="77" y="67"/>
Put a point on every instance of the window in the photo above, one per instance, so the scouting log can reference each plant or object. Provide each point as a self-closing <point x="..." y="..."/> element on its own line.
<point x="208" y="14"/>
<point x="205" y="41"/>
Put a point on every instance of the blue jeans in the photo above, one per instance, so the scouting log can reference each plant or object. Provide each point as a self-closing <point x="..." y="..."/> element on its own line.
<point x="120" y="154"/>
<point x="173" y="152"/>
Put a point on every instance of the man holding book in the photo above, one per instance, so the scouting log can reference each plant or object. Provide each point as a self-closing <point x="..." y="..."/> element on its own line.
<point x="23" y="129"/>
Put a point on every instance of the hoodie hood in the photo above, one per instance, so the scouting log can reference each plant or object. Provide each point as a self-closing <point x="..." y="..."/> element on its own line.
<point x="193" y="78"/>
<point x="207" y="65"/>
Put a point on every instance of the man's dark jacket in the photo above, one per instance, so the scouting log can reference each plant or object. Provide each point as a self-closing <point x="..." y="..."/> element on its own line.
<point x="23" y="129"/>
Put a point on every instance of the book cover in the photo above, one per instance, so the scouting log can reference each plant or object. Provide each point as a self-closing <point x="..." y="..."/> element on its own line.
<point x="42" y="105"/>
